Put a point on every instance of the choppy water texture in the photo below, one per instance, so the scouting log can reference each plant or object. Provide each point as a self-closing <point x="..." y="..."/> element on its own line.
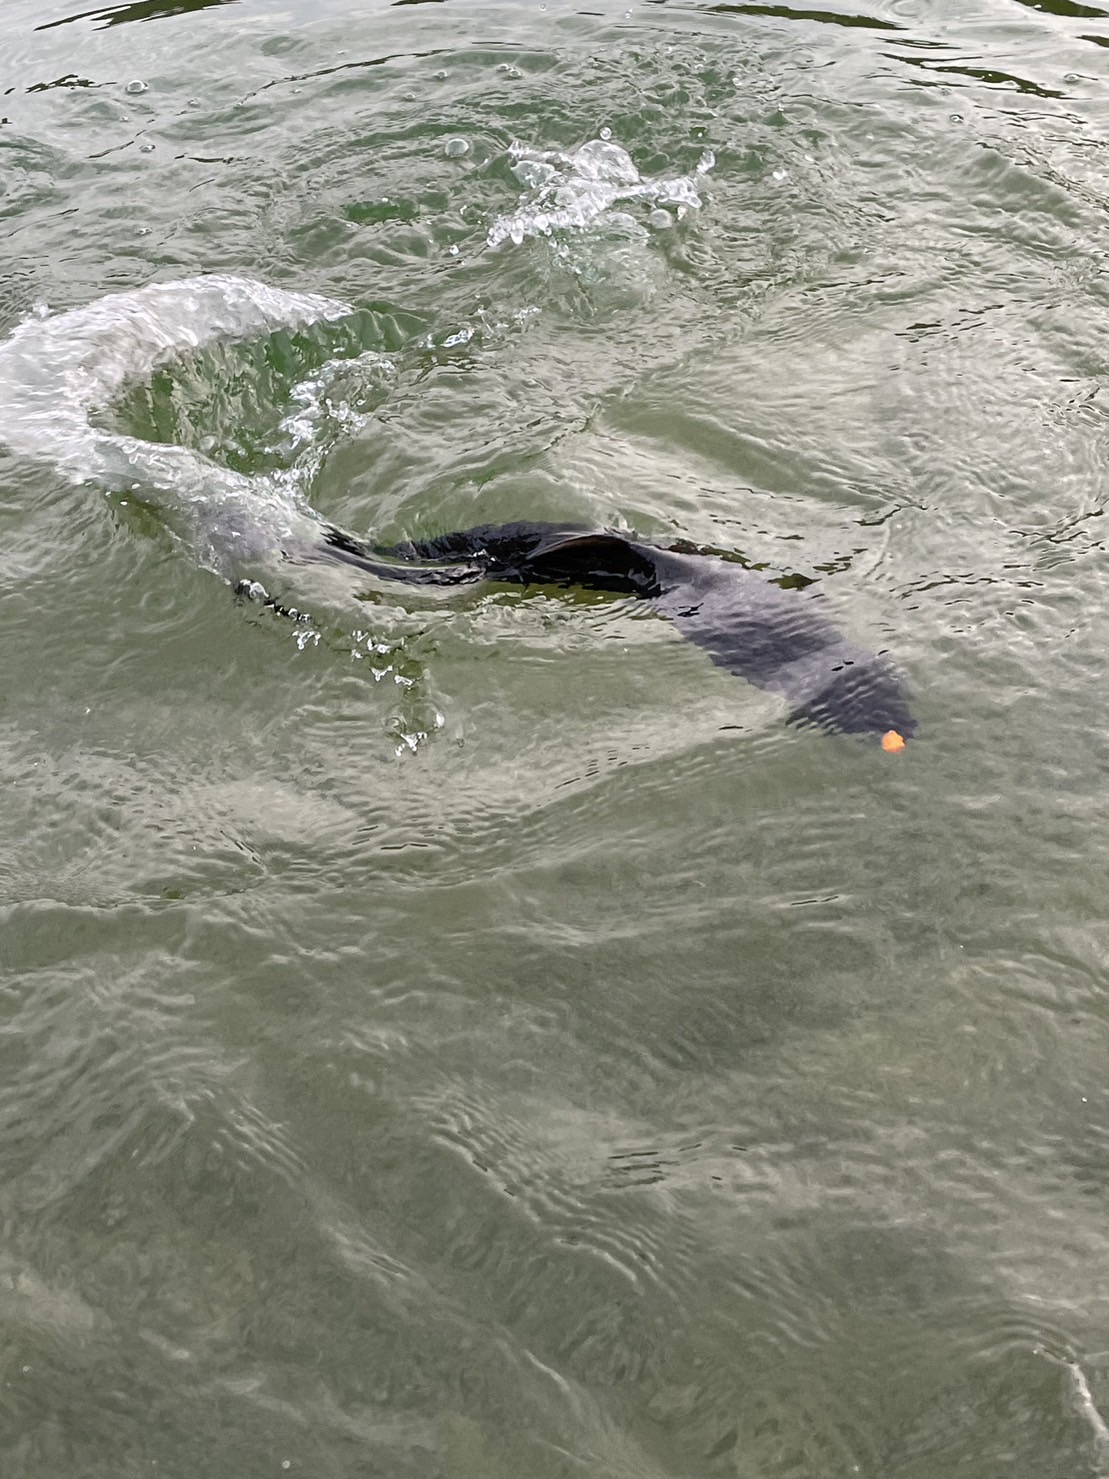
<point x="468" y="1034"/>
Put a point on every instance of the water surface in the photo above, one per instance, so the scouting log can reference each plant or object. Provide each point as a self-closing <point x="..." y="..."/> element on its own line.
<point x="478" y="1037"/>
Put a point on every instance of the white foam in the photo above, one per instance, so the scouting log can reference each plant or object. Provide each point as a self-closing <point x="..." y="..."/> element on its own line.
<point x="57" y="372"/>
<point x="571" y="192"/>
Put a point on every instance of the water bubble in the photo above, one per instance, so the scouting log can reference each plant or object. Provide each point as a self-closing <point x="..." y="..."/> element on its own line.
<point x="135" y="87"/>
<point x="452" y="251"/>
<point x="660" y="219"/>
<point x="956" y="118"/>
<point x="193" y="103"/>
<point x="606" y="134"/>
<point x="780" y="174"/>
<point x="533" y="174"/>
<point x="455" y="148"/>
<point x="1071" y="77"/>
<point x="410" y="97"/>
<point x="737" y="81"/>
<point x="146" y="148"/>
<point x="298" y="89"/>
<point x="441" y="75"/>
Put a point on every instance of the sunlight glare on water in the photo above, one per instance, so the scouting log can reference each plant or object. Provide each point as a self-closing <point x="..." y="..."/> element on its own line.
<point x="461" y="1032"/>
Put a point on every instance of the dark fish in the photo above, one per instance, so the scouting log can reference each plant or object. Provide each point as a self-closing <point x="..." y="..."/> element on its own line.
<point x="776" y="639"/>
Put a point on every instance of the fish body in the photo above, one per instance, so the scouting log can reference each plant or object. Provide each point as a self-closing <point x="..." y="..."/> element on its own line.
<point x="776" y="639"/>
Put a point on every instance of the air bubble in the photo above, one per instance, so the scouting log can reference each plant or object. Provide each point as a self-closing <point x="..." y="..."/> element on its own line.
<point x="455" y="148"/>
<point x="452" y="251"/>
<point x="606" y="134"/>
<point x="956" y="118"/>
<point x="660" y="219"/>
<point x="146" y="148"/>
<point x="780" y="174"/>
<point x="440" y="76"/>
<point x="135" y="87"/>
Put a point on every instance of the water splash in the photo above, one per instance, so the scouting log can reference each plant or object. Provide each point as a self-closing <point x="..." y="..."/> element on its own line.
<point x="333" y="403"/>
<point x="58" y="373"/>
<point x="571" y="192"/>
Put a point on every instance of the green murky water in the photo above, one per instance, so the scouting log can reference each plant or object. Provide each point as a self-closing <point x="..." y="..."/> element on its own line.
<point x="479" y="1038"/>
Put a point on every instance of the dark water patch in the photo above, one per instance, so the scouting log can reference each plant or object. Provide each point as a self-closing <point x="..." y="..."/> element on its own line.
<point x="138" y="10"/>
<point x="1065" y="8"/>
<point x="791" y="13"/>
<point x="990" y="77"/>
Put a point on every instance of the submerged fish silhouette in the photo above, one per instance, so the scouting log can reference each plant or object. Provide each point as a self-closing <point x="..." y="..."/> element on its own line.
<point x="776" y="639"/>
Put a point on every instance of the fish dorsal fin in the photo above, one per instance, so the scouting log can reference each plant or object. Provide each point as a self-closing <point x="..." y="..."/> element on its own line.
<point x="606" y="562"/>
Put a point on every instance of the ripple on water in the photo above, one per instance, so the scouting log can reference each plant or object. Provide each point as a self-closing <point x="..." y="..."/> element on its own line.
<point x="621" y="1081"/>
